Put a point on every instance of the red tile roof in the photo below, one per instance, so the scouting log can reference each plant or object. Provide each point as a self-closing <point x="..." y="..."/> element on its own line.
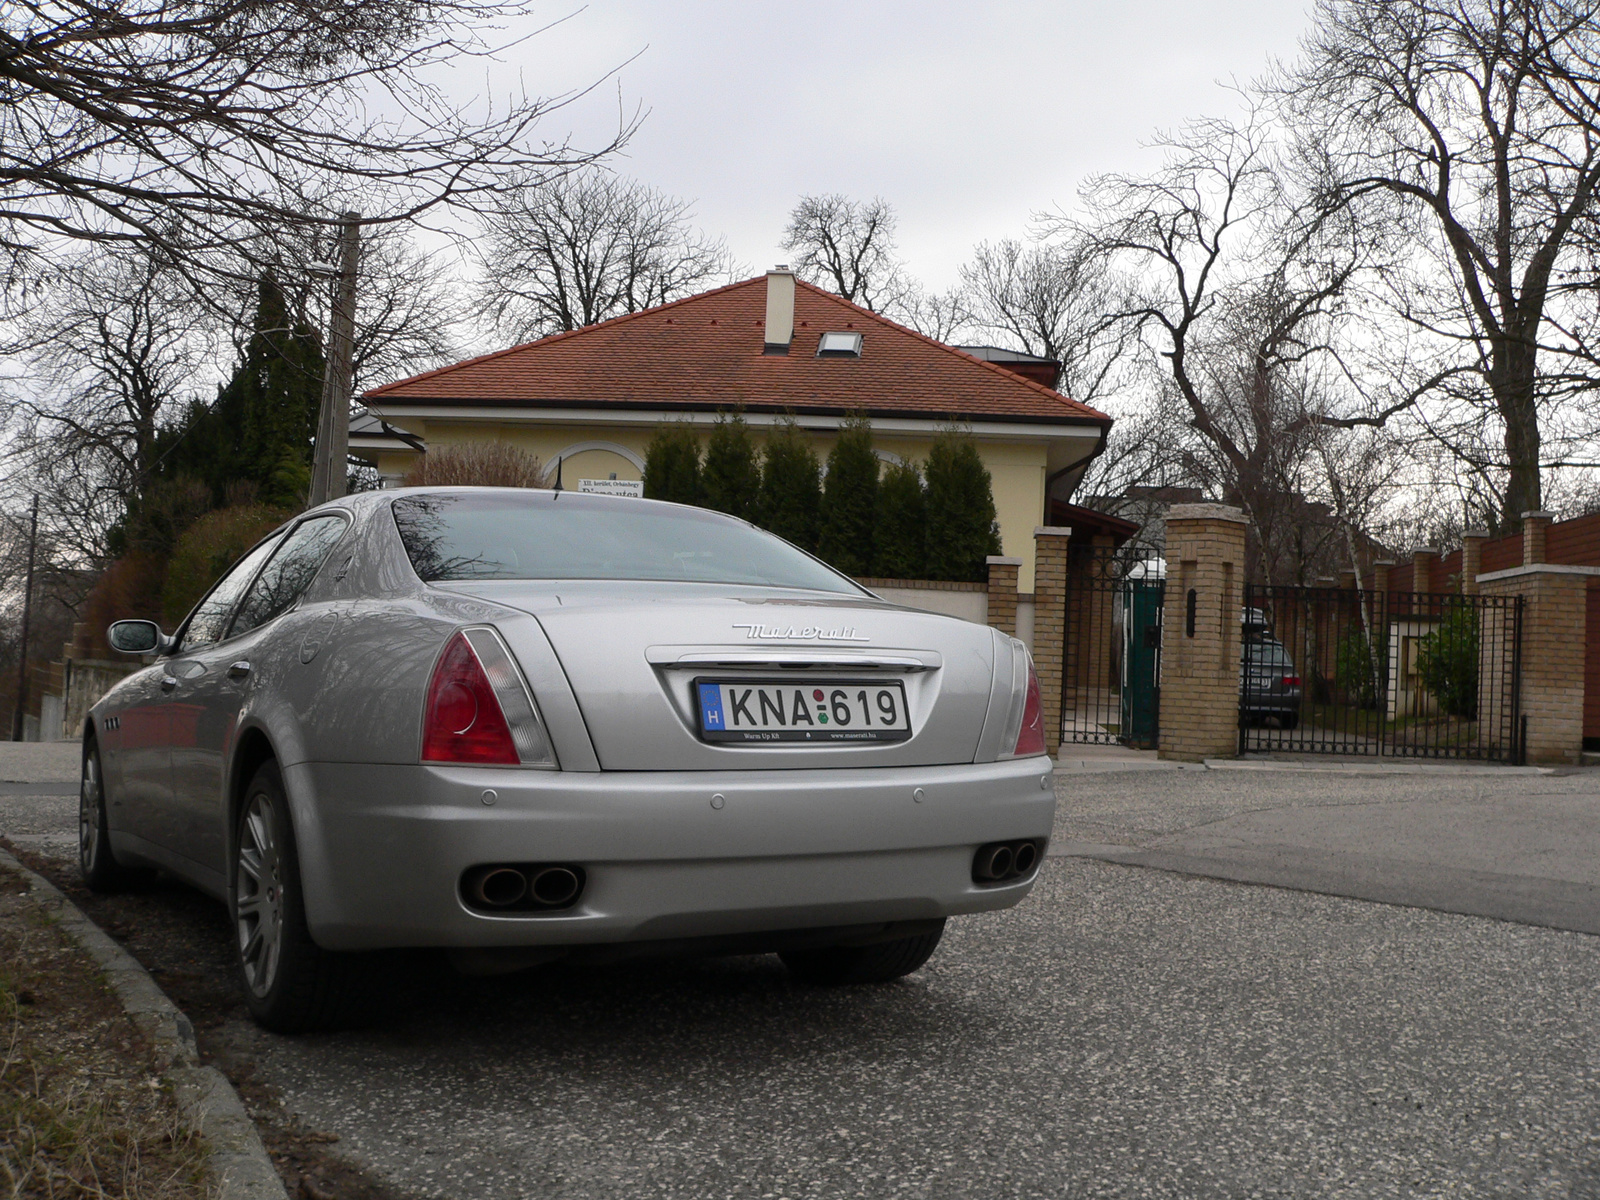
<point x="705" y="352"/>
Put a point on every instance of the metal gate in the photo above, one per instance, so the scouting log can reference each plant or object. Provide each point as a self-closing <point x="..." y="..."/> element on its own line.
<point x="1111" y="649"/>
<point x="1345" y="671"/>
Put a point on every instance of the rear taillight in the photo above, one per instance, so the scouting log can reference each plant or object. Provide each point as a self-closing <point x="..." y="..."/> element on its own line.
<point x="1291" y="681"/>
<point x="1030" y="738"/>
<point x="478" y="710"/>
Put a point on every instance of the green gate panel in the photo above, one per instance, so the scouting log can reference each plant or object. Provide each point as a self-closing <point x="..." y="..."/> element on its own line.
<point x="1141" y="661"/>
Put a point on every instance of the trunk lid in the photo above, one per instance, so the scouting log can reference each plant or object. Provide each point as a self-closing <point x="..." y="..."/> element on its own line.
<point x="633" y="654"/>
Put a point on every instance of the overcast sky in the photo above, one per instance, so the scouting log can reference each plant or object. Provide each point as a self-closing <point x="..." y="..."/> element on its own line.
<point x="966" y="117"/>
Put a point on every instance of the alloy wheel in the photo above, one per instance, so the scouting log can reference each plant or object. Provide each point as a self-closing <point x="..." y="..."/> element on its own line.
<point x="258" y="896"/>
<point x="90" y="796"/>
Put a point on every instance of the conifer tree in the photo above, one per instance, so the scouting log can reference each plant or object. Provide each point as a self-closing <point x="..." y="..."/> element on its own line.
<point x="849" y="499"/>
<point x="672" y="464"/>
<point x="259" y="429"/>
<point x="730" y="480"/>
<point x="899" y="546"/>
<point x="791" y="485"/>
<point x="962" y="529"/>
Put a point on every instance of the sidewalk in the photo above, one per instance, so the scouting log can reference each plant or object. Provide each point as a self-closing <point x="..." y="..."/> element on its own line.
<point x="1122" y="758"/>
<point x="1515" y="844"/>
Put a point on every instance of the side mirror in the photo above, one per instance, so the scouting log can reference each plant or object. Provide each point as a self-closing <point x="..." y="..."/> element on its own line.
<point x="135" y="637"/>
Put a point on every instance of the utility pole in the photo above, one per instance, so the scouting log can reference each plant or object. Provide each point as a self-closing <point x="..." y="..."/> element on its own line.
<point x="27" y="614"/>
<point x="333" y="422"/>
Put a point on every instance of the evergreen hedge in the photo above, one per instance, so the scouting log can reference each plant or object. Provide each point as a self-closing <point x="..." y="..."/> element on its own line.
<point x="672" y="464"/>
<point x="791" y="486"/>
<point x="899" y="546"/>
<point x="849" y="499"/>
<point x="730" y="479"/>
<point x="962" y="529"/>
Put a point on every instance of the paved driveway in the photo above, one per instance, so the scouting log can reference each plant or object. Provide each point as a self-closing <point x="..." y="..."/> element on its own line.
<point x="1126" y="1032"/>
<point x="1517" y="845"/>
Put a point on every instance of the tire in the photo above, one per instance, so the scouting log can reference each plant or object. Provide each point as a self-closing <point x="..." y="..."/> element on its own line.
<point x="97" y="863"/>
<point x="877" y="963"/>
<point x="1290" y="720"/>
<point x="290" y="984"/>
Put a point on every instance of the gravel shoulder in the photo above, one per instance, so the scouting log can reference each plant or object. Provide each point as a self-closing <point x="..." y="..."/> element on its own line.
<point x="85" y="1109"/>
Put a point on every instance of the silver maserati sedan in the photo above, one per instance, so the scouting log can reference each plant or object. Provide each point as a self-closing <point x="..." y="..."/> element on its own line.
<point x="524" y="725"/>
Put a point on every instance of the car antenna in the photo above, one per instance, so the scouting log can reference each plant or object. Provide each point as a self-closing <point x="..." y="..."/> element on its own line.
<point x="558" y="473"/>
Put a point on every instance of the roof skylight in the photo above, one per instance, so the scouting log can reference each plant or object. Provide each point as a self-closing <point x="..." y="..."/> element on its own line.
<point x="839" y="345"/>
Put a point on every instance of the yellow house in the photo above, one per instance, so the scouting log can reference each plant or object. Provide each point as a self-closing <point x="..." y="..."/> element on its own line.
<point x="587" y="402"/>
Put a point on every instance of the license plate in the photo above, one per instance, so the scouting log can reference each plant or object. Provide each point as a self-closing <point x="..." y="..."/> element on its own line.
<point x="821" y="712"/>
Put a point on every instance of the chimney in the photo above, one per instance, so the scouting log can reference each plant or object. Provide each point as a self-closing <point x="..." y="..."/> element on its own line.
<point x="779" y="327"/>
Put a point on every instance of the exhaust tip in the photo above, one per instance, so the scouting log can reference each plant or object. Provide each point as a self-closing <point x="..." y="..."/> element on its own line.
<point x="498" y="887"/>
<point x="555" y="886"/>
<point x="1025" y="856"/>
<point x="1004" y="862"/>
<point x="518" y="889"/>
<point x="996" y="864"/>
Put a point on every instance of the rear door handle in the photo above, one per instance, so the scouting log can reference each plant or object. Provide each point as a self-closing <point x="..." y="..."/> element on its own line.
<point x="238" y="670"/>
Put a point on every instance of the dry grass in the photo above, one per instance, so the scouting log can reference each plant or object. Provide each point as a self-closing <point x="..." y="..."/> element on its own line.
<point x="480" y="464"/>
<point x="81" y="1114"/>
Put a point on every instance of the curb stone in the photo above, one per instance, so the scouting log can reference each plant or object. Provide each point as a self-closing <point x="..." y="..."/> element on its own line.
<point x="1376" y="766"/>
<point x="206" y="1099"/>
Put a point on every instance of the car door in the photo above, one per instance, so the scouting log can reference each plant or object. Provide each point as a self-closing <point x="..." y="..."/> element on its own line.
<point x="184" y="671"/>
<point x="136" y="754"/>
<point x="215" y="678"/>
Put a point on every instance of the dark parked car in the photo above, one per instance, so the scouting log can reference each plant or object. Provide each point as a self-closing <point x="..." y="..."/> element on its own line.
<point x="1268" y="685"/>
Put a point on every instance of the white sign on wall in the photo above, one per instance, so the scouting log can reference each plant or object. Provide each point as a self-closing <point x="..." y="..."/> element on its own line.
<point x="613" y="487"/>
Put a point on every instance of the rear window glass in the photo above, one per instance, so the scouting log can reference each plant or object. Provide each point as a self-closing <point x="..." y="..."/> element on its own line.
<point x="519" y="534"/>
<point x="1272" y="654"/>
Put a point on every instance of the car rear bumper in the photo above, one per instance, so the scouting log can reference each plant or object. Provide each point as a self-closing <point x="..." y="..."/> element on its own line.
<point x="667" y="855"/>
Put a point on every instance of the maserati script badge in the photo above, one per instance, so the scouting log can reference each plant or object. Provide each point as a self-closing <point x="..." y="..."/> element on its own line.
<point x="808" y="633"/>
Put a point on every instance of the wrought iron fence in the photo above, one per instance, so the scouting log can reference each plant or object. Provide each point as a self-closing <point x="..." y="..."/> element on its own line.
<point x="1345" y="671"/>
<point x="1111" y="649"/>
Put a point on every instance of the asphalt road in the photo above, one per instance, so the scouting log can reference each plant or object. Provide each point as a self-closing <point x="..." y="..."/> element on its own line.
<point x="1515" y="845"/>
<point x="1125" y="1032"/>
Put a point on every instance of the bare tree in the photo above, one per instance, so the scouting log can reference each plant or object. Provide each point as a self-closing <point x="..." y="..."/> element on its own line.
<point x="411" y="314"/>
<point x="1241" y="295"/>
<point x="848" y="247"/>
<point x="188" y="125"/>
<point x="563" y="253"/>
<point x="1053" y="299"/>
<point x="1471" y="130"/>
<point x="944" y="316"/>
<point x="114" y="351"/>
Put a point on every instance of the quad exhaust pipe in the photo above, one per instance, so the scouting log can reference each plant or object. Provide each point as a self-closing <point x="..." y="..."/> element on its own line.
<point x="521" y="887"/>
<point x="1003" y="862"/>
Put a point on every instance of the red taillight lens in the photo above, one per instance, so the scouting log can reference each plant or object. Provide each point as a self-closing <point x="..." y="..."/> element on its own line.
<point x="1030" y="738"/>
<point x="1291" y="681"/>
<point x="463" y="721"/>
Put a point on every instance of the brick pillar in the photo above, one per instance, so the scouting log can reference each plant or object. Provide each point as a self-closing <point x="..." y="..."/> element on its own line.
<point x="1380" y="575"/>
<point x="1050" y="623"/>
<point x="1553" y="649"/>
<point x="1424" y="567"/>
<point x="1472" y="559"/>
<point x="1534" y="525"/>
<point x="1200" y="632"/>
<point x="1003" y="592"/>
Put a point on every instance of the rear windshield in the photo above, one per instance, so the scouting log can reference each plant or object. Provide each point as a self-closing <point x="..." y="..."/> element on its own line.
<point x="519" y="534"/>
<point x="1268" y="654"/>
